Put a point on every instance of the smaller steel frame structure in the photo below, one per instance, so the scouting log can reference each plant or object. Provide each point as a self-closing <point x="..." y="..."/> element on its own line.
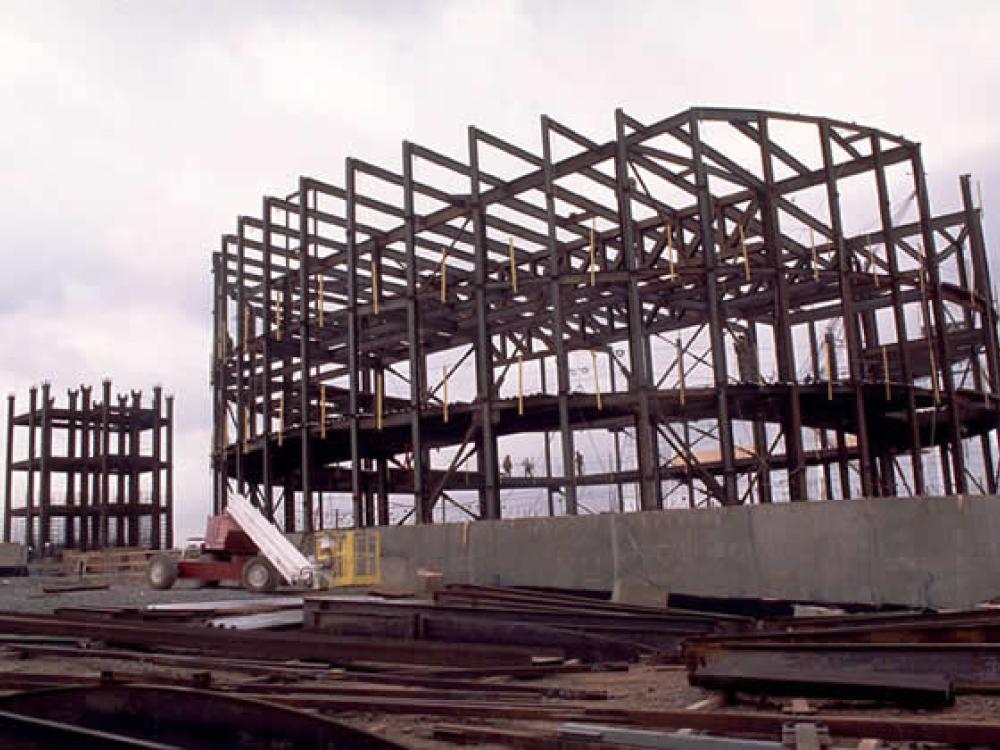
<point x="770" y="307"/>
<point x="100" y="470"/>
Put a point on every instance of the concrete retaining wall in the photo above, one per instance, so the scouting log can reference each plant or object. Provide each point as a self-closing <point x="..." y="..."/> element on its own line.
<point x="13" y="559"/>
<point x="942" y="552"/>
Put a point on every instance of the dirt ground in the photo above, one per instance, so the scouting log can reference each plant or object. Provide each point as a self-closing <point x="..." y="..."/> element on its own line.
<point x="27" y="595"/>
<point x="643" y="686"/>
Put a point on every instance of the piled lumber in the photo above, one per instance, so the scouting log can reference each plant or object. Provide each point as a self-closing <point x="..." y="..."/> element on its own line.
<point x="112" y="561"/>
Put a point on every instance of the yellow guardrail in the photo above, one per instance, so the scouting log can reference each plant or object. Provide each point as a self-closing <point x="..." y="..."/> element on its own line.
<point x="353" y="556"/>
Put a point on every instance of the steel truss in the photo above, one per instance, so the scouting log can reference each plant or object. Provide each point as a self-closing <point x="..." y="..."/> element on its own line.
<point x="780" y="321"/>
<point x="92" y="474"/>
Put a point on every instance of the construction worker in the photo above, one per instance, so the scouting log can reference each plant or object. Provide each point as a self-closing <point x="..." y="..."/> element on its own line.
<point x="508" y="465"/>
<point x="529" y="467"/>
<point x="579" y="463"/>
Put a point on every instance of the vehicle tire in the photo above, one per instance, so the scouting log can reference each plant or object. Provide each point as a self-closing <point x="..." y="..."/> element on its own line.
<point x="162" y="572"/>
<point x="259" y="576"/>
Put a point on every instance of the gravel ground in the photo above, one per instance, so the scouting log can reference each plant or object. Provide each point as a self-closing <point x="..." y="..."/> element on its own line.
<point x="642" y="686"/>
<point x="26" y="594"/>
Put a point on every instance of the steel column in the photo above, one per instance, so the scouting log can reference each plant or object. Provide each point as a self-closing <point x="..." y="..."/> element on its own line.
<point x="557" y="317"/>
<point x="940" y="332"/>
<point x="305" y="277"/>
<point x="169" y="542"/>
<point x="8" y="476"/>
<point x="421" y="501"/>
<point x="353" y="350"/>
<point x="267" y="334"/>
<point x="156" y="489"/>
<point x="715" y="320"/>
<point x="855" y="367"/>
<point x="486" y="444"/>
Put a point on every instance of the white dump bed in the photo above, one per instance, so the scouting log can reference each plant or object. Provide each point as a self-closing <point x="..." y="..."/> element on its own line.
<point x="286" y="558"/>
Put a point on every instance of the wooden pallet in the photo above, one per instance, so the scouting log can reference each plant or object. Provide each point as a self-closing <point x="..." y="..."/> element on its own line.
<point x="115" y="561"/>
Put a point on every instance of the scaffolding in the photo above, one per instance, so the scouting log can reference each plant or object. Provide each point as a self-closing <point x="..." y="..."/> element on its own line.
<point x="90" y="474"/>
<point x="766" y="301"/>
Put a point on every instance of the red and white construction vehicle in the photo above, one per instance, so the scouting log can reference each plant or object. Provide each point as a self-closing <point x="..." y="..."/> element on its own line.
<point x="239" y="545"/>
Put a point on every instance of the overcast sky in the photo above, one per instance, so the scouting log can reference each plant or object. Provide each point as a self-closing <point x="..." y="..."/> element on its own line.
<point x="133" y="134"/>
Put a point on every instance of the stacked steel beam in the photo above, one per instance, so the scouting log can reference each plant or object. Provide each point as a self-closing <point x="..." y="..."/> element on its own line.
<point x="169" y="674"/>
<point x="579" y="627"/>
<point x="908" y="657"/>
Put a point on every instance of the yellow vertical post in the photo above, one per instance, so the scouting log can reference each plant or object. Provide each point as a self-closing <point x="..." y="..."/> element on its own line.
<point x="819" y="443"/>
<point x="444" y="382"/>
<point x="246" y="427"/>
<point x="746" y="257"/>
<point x="278" y="309"/>
<point x="322" y="410"/>
<point x="927" y="327"/>
<point x="885" y="373"/>
<point x="375" y="287"/>
<point x="513" y="266"/>
<point x="319" y="301"/>
<point x="597" y="379"/>
<point x="815" y="257"/>
<point x="972" y="283"/>
<point x="520" y="385"/>
<point x="934" y="373"/>
<point x="593" y="261"/>
<point x="444" y="276"/>
<point x="281" y="419"/>
<point x="224" y="334"/>
<point x="829" y="369"/>
<point x="670" y="250"/>
<point x="246" y="325"/>
<point x="871" y="258"/>
<point x="680" y="369"/>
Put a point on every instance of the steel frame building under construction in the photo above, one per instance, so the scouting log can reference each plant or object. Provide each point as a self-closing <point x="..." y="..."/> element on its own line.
<point x="766" y="301"/>
<point x="90" y="474"/>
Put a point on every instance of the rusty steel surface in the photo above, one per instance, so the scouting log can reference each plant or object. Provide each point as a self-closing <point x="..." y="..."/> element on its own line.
<point x="971" y="626"/>
<point x="966" y="663"/>
<point x="584" y="628"/>
<point x="189" y="718"/>
<point x="914" y="691"/>
<point x="274" y="645"/>
<point x="30" y="733"/>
